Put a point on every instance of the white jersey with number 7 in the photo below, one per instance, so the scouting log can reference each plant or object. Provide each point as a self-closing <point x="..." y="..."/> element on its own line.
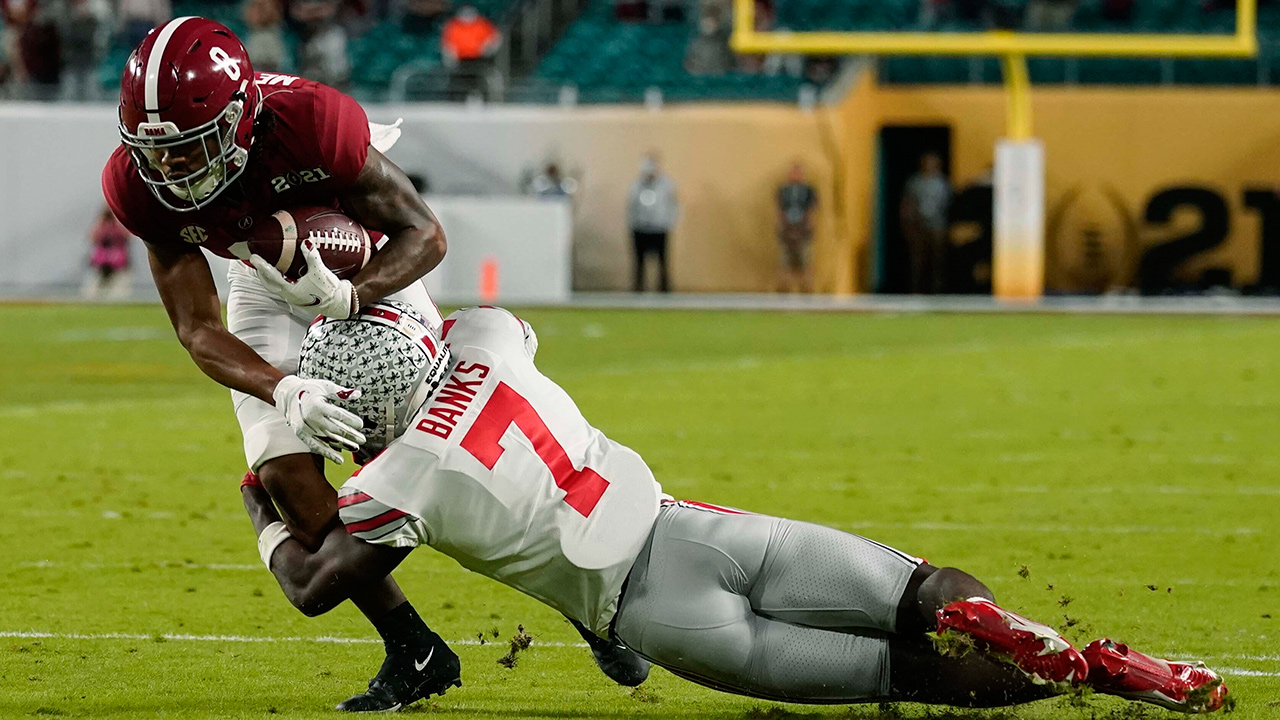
<point x="500" y="471"/>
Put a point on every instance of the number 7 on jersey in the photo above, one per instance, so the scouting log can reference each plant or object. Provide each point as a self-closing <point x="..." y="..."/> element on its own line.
<point x="583" y="488"/>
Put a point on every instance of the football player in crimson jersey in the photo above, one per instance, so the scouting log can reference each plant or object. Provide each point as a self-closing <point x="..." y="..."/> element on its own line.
<point x="210" y="149"/>
<point x="490" y="462"/>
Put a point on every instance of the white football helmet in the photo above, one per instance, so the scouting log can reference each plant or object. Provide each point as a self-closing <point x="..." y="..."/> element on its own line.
<point x="388" y="352"/>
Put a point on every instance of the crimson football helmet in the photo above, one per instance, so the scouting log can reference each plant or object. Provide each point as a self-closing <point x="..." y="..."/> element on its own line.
<point x="187" y="107"/>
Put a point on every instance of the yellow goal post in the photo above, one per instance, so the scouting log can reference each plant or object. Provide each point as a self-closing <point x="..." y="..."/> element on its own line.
<point x="1019" y="159"/>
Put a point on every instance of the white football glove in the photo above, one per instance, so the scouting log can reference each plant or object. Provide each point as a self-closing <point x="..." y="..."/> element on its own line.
<point x="324" y="427"/>
<point x="319" y="289"/>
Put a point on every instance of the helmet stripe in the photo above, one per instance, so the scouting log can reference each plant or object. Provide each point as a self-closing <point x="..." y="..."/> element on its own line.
<point x="151" y="93"/>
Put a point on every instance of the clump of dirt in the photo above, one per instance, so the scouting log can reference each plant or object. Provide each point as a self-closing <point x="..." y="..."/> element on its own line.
<point x="519" y="642"/>
<point x="1080" y="696"/>
<point x="641" y="693"/>
<point x="953" y="644"/>
<point x="769" y="713"/>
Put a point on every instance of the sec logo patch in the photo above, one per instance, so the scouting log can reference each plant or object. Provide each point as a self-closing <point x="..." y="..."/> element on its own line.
<point x="193" y="234"/>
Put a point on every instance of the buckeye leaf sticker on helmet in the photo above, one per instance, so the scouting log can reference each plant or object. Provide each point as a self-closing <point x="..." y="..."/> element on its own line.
<point x="390" y="353"/>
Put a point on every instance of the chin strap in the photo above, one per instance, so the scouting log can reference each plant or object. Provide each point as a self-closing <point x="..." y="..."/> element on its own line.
<point x="388" y="422"/>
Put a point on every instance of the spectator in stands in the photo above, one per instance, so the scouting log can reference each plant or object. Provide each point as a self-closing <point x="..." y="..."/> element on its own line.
<point x="137" y="17"/>
<point x="421" y="17"/>
<point x="796" y="201"/>
<point x="708" y="52"/>
<point x="652" y="210"/>
<point x="552" y="183"/>
<point x="265" y="37"/>
<point x="1003" y="14"/>
<point x="1050" y="15"/>
<point x="925" y="203"/>
<point x="323" y="54"/>
<point x="969" y="11"/>
<point x="468" y="43"/>
<point x="15" y="14"/>
<point x="933" y="12"/>
<point x="788" y="64"/>
<point x="108" y="259"/>
<point x="654" y="11"/>
<point x="40" y="46"/>
<point x="85" y="29"/>
<point x="1117" y="11"/>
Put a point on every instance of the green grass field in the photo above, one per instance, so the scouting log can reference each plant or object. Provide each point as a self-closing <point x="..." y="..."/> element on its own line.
<point x="1127" y="467"/>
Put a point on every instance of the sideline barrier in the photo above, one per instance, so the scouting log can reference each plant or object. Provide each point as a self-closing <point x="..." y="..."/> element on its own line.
<point x="727" y="163"/>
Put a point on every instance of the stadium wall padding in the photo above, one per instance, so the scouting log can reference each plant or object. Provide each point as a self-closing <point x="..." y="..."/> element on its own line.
<point x="726" y="160"/>
<point x="1127" y="170"/>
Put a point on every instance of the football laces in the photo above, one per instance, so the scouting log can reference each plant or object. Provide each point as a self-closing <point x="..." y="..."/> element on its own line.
<point x="335" y="240"/>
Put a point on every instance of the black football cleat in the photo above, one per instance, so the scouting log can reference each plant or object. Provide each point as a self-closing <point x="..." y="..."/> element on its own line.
<point x="619" y="662"/>
<point x="407" y="678"/>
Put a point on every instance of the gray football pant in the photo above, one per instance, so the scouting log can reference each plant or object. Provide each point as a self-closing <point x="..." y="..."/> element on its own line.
<point x="764" y="606"/>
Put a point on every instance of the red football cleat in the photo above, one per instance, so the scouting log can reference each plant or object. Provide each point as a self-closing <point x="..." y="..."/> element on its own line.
<point x="1035" y="649"/>
<point x="1188" y="687"/>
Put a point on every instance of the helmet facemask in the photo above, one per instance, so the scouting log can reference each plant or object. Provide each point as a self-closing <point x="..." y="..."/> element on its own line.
<point x="213" y="142"/>
<point x="389" y="353"/>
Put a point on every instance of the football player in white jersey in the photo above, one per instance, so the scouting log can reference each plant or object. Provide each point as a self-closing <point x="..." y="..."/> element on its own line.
<point x="488" y="461"/>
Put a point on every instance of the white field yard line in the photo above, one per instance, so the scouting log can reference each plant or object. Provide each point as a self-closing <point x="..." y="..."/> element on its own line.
<point x="1044" y="528"/>
<point x="1246" y="672"/>
<point x="148" y="564"/>
<point x="184" y="637"/>
<point x="1116" y="490"/>
<point x="752" y="362"/>
<point x="333" y="640"/>
<point x="81" y="407"/>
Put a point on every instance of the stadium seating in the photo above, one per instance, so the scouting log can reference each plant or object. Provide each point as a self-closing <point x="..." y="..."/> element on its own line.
<point x="611" y="61"/>
<point x="375" y="54"/>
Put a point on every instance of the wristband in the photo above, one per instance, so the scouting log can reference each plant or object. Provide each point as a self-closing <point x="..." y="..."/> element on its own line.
<point x="251" y="479"/>
<point x="272" y="537"/>
<point x="355" y="301"/>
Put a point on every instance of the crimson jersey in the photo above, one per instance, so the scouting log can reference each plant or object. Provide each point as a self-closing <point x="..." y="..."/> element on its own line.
<point x="310" y="145"/>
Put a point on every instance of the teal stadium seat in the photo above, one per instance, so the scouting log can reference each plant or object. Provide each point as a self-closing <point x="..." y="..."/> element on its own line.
<point x="375" y="54"/>
<point x="610" y="61"/>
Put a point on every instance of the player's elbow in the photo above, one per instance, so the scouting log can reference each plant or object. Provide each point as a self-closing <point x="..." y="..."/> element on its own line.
<point x="192" y="335"/>
<point x="437" y="245"/>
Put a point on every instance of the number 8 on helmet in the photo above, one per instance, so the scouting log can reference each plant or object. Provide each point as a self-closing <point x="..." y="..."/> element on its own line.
<point x="187" y="107"/>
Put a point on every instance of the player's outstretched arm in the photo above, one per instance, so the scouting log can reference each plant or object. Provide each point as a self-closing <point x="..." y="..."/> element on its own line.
<point x="384" y="199"/>
<point x="186" y="287"/>
<point x="316" y="582"/>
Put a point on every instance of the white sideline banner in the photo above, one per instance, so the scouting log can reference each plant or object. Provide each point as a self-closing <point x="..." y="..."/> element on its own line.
<point x="51" y="159"/>
<point x="521" y="247"/>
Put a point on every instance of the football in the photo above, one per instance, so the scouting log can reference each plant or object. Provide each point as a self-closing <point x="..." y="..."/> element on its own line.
<point x="344" y="245"/>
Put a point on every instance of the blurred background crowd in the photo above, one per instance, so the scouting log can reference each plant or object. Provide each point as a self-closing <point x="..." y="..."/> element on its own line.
<point x="68" y="49"/>
<point x="453" y="50"/>
<point x="788" y="172"/>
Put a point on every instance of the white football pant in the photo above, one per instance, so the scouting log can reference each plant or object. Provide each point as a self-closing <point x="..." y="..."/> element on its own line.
<point x="274" y="329"/>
